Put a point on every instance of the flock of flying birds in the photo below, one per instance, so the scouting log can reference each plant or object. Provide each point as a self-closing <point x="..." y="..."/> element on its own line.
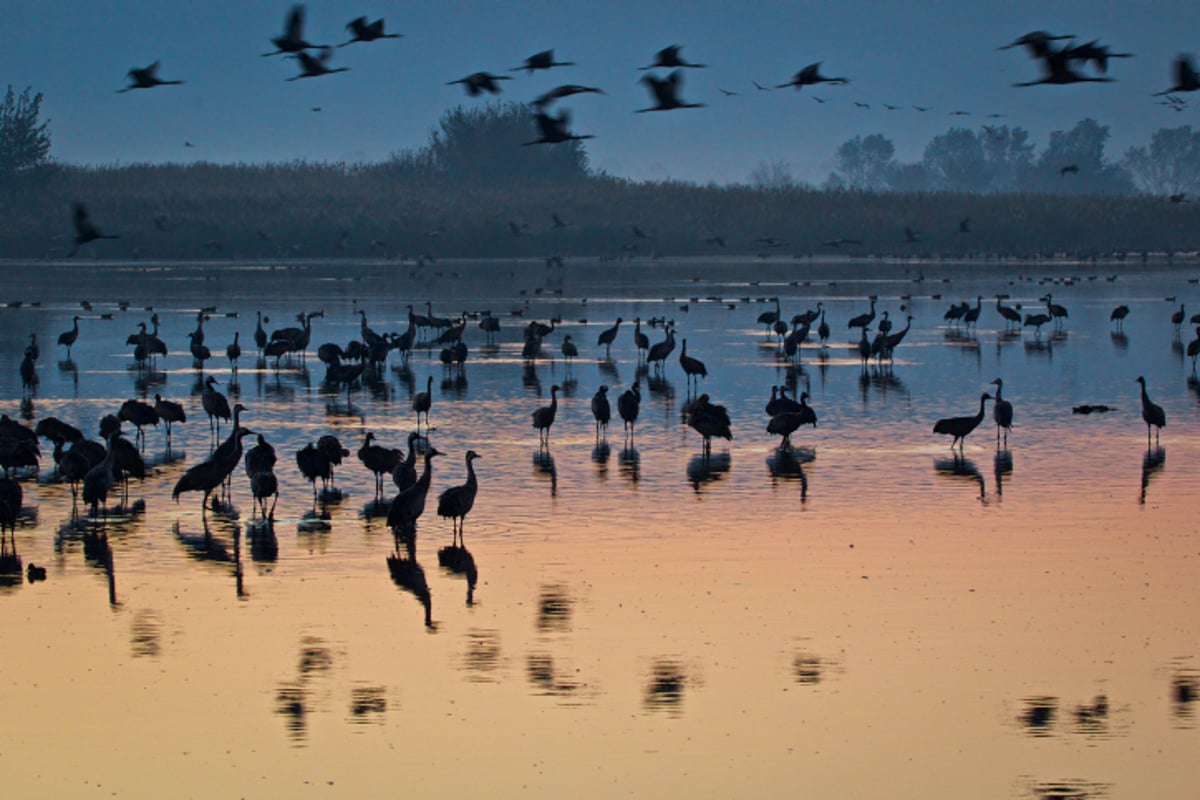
<point x="1063" y="64"/>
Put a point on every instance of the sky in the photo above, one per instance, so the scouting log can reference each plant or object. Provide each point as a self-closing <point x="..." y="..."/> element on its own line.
<point x="236" y="106"/>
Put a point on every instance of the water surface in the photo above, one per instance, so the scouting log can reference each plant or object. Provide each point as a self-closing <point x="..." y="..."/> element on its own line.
<point x="871" y="615"/>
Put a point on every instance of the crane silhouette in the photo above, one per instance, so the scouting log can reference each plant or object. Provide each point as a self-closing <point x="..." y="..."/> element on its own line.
<point x="628" y="405"/>
<point x="215" y="404"/>
<point x="479" y="82"/>
<point x="1010" y="314"/>
<point x="292" y="40"/>
<point x="169" y="412"/>
<point x="378" y="459"/>
<point x="145" y="78"/>
<point x="543" y="417"/>
<point x="1118" y="316"/>
<point x="785" y="423"/>
<point x="85" y="230"/>
<point x="1057" y="70"/>
<point x="457" y="501"/>
<point x="602" y="410"/>
<point x="541" y="61"/>
<point x="363" y="31"/>
<point x="693" y="368"/>
<point x="68" y="338"/>
<point x="409" y="505"/>
<point x="607" y="337"/>
<point x="1184" y="73"/>
<point x="1152" y="414"/>
<point x="810" y="76"/>
<point x="709" y="419"/>
<point x="665" y="92"/>
<point x="565" y="90"/>
<point x="422" y="402"/>
<point x="554" y="130"/>
<point x="961" y="427"/>
<point x="1002" y="413"/>
<point x="315" y="66"/>
<point x="1037" y="42"/>
<point x="669" y="58"/>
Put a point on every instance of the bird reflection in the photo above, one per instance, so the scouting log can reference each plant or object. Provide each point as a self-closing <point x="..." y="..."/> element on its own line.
<point x="459" y="561"/>
<point x="530" y="379"/>
<point x="1152" y="464"/>
<point x="707" y="468"/>
<point x="554" y="609"/>
<point x="546" y="678"/>
<point x="99" y="555"/>
<point x="264" y="546"/>
<point x="630" y="462"/>
<point x="1120" y="340"/>
<point x="959" y="466"/>
<point x="543" y="465"/>
<point x="600" y="455"/>
<point x="608" y="368"/>
<point x="410" y="576"/>
<point x="1003" y="464"/>
<point x="1038" y="715"/>
<point x="664" y="689"/>
<point x="788" y="465"/>
<point x="1185" y="689"/>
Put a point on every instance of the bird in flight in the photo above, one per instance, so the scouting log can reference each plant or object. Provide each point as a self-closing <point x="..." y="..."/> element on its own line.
<point x="1037" y="42"/>
<point x="292" y="40"/>
<point x="1057" y="70"/>
<point x="1186" y="78"/>
<point x="363" y="31"/>
<point x="539" y="61"/>
<point x="559" y="92"/>
<point x="478" y="82"/>
<point x="85" y="230"/>
<point x="554" y="129"/>
<point x="1097" y="53"/>
<point x="315" y="66"/>
<point x="810" y="76"/>
<point x="145" y="78"/>
<point x="669" y="58"/>
<point x="666" y="92"/>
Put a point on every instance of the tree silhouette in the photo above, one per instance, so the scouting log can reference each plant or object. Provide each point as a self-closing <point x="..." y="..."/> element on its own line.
<point x="24" y="142"/>
<point x="865" y="162"/>
<point x="482" y="145"/>
<point x="1171" y="163"/>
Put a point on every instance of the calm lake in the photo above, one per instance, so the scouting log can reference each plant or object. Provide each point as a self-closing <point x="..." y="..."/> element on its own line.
<point x="870" y="616"/>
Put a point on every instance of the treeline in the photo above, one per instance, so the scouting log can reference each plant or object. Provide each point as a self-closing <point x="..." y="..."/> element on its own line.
<point x="475" y="191"/>
<point x="1002" y="159"/>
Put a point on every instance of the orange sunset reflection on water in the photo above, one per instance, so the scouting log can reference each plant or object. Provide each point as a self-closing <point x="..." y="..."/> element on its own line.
<point x="866" y="615"/>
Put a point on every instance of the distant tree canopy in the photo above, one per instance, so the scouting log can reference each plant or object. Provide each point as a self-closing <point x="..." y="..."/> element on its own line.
<point x="1002" y="159"/>
<point x="1170" y="165"/>
<point x="24" y="141"/>
<point x="484" y="145"/>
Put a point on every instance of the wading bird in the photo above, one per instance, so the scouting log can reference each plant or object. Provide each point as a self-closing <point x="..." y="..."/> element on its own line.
<point x="961" y="427"/>
<point x="1152" y="414"/>
<point x="68" y="337"/>
<point x="1002" y="413"/>
<point x="602" y="411"/>
<point x="457" y="501"/>
<point x="543" y="417"/>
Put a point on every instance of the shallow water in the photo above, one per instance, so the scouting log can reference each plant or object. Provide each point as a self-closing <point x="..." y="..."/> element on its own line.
<point x="871" y="617"/>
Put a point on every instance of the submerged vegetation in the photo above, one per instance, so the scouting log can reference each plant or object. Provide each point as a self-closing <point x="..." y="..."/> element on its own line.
<point x="474" y="191"/>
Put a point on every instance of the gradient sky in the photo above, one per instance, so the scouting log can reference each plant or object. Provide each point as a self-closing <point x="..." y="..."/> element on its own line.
<point x="237" y="106"/>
